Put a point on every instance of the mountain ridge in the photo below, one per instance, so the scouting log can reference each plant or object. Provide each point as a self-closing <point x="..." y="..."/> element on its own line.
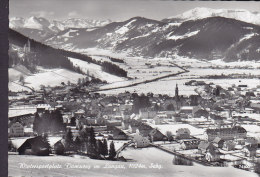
<point x="204" y="38"/>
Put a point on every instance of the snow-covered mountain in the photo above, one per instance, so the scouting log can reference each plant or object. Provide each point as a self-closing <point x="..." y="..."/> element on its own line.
<point x="79" y="23"/>
<point x="208" y="38"/>
<point x="199" y="33"/>
<point x="39" y="28"/>
<point x="202" y="12"/>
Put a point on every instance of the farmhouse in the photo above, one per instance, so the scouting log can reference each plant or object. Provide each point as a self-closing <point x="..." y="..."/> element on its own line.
<point x="34" y="146"/>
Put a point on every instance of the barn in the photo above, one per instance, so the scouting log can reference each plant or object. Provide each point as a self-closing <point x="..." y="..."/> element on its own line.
<point x="34" y="146"/>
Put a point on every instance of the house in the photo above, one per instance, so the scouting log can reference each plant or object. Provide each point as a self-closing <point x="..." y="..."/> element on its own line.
<point x="204" y="146"/>
<point x="250" y="150"/>
<point x="59" y="147"/>
<point x="188" y="110"/>
<point x="114" y="122"/>
<point x="249" y="110"/>
<point x="25" y="119"/>
<point x="28" y="131"/>
<point x="156" y="135"/>
<point x="240" y="141"/>
<point x="147" y="114"/>
<point x="218" y="142"/>
<point x="251" y="140"/>
<point x="229" y="145"/>
<point x="74" y="130"/>
<point x="34" y="146"/>
<point x="227" y="133"/>
<point x="119" y="134"/>
<point x="141" y="141"/>
<point x="42" y="107"/>
<point x="201" y="113"/>
<point x="125" y="125"/>
<point x="212" y="155"/>
<point x="209" y="150"/>
<point x="157" y="120"/>
<point x="144" y="129"/>
<point x="190" y="144"/>
<point x="183" y="133"/>
<point x="16" y="129"/>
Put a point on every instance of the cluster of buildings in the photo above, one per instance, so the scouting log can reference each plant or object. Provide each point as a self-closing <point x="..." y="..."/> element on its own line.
<point x="220" y="113"/>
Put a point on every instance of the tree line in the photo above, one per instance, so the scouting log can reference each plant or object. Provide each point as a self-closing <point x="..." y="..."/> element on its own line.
<point x="113" y="69"/>
<point x="86" y="141"/>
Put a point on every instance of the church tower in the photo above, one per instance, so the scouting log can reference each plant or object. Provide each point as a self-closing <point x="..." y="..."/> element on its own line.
<point x="177" y="98"/>
<point x="27" y="47"/>
<point x="176" y="91"/>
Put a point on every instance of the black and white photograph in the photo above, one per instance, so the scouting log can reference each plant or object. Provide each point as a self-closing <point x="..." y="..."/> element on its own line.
<point x="110" y="88"/>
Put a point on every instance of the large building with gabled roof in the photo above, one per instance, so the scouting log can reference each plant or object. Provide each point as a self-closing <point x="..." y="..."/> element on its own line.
<point x="227" y="133"/>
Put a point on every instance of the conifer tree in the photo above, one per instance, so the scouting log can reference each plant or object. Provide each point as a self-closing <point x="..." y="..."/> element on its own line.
<point x="92" y="144"/>
<point x="84" y="135"/>
<point x="112" y="151"/>
<point x="100" y="147"/>
<point x="68" y="139"/>
<point x="77" y="143"/>
<point x="36" y="123"/>
<point x="105" y="150"/>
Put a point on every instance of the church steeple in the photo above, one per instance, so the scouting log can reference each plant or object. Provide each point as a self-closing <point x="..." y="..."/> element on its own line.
<point x="27" y="47"/>
<point x="176" y="91"/>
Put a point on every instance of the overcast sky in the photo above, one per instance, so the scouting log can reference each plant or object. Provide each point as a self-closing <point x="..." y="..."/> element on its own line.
<point x="116" y="10"/>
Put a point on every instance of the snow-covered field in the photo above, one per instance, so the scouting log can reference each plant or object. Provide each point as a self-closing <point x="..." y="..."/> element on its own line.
<point x="167" y="85"/>
<point x="83" y="166"/>
<point x="142" y="69"/>
<point x="95" y="70"/>
<point x="47" y="77"/>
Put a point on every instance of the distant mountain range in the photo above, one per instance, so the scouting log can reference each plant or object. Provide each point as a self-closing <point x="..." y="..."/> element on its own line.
<point x="39" y="28"/>
<point x="202" y="12"/>
<point x="200" y="33"/>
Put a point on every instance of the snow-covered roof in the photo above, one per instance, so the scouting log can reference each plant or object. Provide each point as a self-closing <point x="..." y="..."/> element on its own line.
<point x="187" y="108"/>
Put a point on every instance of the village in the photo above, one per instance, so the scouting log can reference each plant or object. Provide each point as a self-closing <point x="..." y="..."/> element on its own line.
<point x="215" y="127"/>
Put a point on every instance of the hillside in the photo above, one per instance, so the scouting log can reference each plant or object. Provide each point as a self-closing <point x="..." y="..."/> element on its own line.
<point x="34" y="66"/>
<point x="207" y="38"/>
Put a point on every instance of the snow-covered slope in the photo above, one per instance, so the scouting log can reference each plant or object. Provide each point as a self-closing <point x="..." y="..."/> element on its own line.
<point x="47" y="77"/>
<point x="95" y="70"/>
<point x="202" y="12"/>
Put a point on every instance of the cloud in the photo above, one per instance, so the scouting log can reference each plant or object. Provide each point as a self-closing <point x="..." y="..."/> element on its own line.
<point x="73" y="14"/>
<point x="42" y="13"/>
